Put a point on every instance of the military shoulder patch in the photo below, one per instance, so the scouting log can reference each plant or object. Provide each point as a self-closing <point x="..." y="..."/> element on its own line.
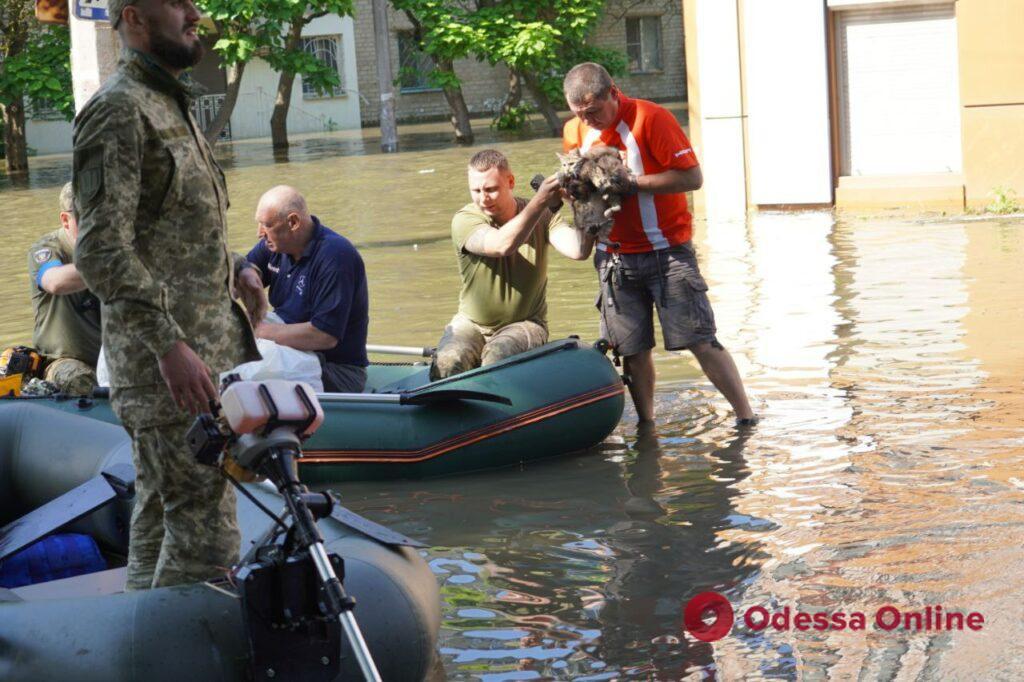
<point x="88" y="173"/>
<point x="42" y="255"/>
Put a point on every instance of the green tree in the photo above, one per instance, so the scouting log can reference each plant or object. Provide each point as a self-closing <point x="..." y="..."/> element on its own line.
<point x="271" y="29"/>
<point x="444" y="29"/>
<point x="35" y="68"/>
<point x="539" y="41"/>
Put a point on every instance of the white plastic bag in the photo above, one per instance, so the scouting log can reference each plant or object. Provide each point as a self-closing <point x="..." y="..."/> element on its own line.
<point x="102" y="373"/>
<point x="282" y="362"/>
<point x="279" y="362"/>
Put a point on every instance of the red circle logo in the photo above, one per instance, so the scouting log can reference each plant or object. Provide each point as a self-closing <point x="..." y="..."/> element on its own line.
<point x="713" y="603"/>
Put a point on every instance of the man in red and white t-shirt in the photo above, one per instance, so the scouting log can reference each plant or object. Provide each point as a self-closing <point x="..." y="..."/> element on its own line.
<point x="648" y="261"/>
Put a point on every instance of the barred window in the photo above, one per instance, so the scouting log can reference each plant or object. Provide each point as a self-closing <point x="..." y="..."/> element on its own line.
<point x="44" y="110"/>
<point x="328" y="50"/>
<point x="414" y="65"/>
<point x="643" y="43"/>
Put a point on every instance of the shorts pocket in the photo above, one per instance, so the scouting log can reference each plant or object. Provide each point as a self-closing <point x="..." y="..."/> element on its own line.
<point x="696" y="282"/>
<point x="700" y="306"/>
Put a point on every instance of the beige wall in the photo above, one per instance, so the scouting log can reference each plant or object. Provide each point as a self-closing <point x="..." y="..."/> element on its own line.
<point x="689" y="8"/>
<point x="484" y="86"/>
<point x="991" y="58"/>
<point x="992" y="96"/>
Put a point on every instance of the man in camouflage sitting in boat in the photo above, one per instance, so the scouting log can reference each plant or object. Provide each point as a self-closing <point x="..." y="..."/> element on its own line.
<point x="501" y="244"/>
<point x="67" y="314"/>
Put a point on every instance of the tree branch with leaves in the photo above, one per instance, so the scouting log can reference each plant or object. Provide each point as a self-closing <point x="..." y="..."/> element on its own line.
<point x="272" y="30"/>
<point x="35" y="70"/>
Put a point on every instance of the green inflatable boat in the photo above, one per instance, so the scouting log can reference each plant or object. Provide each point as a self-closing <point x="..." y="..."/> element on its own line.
<point x="559" y="398"/>
<point x="61" y="473"/>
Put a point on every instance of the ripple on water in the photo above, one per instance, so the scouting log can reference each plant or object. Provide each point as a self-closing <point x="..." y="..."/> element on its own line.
<point x="882" y="355"/>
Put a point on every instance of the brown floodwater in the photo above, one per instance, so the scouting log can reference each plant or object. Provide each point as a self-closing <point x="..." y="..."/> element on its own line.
<point x="883" y="354"/>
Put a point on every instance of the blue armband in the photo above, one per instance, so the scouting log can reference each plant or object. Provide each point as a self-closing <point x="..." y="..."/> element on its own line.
<point x="55" y="263"/>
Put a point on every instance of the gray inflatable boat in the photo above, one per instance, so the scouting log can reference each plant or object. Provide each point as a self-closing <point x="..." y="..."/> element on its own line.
<point x="63" y="472"/>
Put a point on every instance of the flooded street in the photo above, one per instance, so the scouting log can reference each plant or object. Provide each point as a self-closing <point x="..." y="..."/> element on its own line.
<point x="884" y="356"/>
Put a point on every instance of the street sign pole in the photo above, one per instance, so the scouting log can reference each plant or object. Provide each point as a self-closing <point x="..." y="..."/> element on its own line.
<point x="94" y="48"/>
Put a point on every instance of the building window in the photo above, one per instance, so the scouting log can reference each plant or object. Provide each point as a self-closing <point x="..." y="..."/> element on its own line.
<point x="643" y="43"/>
<point x="328" y="50"/>
<point x="414" y="65"/>
<point x="44" y="110"/>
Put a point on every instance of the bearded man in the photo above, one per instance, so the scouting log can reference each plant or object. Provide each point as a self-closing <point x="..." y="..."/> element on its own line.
<point x="152" y="245"/>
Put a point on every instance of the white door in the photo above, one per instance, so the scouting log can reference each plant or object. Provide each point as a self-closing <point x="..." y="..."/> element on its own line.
<point x="899" y="94"/>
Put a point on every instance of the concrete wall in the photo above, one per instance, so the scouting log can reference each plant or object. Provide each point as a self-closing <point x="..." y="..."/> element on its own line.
<point x="787" y="117"/>
<point x="717" y="111"/>
<point x="758" y="107"/>
<point x="48" y="137"/>
<point x="484" y="86"/>
<point x="992" y="96"/>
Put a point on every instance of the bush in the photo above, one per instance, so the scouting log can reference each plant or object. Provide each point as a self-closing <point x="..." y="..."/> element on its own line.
<point x="1004" y="201"/>
<point x="513" y="118"/>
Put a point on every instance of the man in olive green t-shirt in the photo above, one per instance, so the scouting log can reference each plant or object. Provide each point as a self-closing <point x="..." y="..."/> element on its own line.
<point x="501" y="243"/>
<point x="67" y="315"/>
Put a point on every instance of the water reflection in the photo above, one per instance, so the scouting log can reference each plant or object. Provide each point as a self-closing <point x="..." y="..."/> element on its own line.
<point x="585" y="581"/>
<point x="668" y="550"/>
<point x="883" y="355"/>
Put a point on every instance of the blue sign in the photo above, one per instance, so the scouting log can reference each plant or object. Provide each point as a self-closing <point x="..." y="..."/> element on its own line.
<point x="91" y="10"/>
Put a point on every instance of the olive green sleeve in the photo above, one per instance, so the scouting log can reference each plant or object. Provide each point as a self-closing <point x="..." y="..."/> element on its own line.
<point x="555" y="219"/>
<point x="464" y="224"/>
<point x="107" y="178"/>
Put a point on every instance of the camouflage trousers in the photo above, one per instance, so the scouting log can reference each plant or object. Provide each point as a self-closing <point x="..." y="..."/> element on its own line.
<point x="71" y="376"/>
<point x="184" y="527"/>
<point x="466" y="345"/>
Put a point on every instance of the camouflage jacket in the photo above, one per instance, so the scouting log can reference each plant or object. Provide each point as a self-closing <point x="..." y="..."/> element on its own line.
<point x="152" y="243"/>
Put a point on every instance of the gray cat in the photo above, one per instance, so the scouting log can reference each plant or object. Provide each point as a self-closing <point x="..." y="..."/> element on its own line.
<point x="597" y="180"/>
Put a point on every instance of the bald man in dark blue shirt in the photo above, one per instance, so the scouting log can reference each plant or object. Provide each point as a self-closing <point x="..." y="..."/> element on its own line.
<point x="317" y="286"/>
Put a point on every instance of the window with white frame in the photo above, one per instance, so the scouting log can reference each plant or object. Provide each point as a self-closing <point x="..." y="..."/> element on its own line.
<point x="328" y="50"/>
<point x="414" y="65"/>
<point x="643" y="43"/>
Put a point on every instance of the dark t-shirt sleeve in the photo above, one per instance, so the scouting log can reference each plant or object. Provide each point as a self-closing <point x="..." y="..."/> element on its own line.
<point x="259" y="256"/>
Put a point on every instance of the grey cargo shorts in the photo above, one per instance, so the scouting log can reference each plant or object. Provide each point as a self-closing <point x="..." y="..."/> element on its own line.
<point x="667" y="280"/>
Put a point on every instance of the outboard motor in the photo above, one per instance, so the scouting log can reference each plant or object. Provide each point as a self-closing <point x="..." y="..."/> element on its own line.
<point x="292" y="594"/>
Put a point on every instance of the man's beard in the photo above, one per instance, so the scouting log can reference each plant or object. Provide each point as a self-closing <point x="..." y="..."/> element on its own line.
<point x="174" y="54"/>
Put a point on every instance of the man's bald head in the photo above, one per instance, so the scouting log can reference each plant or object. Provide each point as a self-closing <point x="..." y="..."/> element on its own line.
<point x="283" y="220"/>
<point x="283" y="200"/>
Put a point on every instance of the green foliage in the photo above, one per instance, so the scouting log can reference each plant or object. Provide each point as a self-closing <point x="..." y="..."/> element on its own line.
<point x="442" y="79"/>
<point x="250" y="28"/>
<point x="513" y="118"/>
<point x="541" y="37"/>
<point x="1004" y="201"/>
<point x="35" y="62"/>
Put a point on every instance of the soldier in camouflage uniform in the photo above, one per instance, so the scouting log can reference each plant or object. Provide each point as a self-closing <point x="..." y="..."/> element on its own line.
<point x="151" y="202"/>
<point x="67" y="315"/>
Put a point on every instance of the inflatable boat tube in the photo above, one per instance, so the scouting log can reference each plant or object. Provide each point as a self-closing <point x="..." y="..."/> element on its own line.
<point x="86" y="628"/>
